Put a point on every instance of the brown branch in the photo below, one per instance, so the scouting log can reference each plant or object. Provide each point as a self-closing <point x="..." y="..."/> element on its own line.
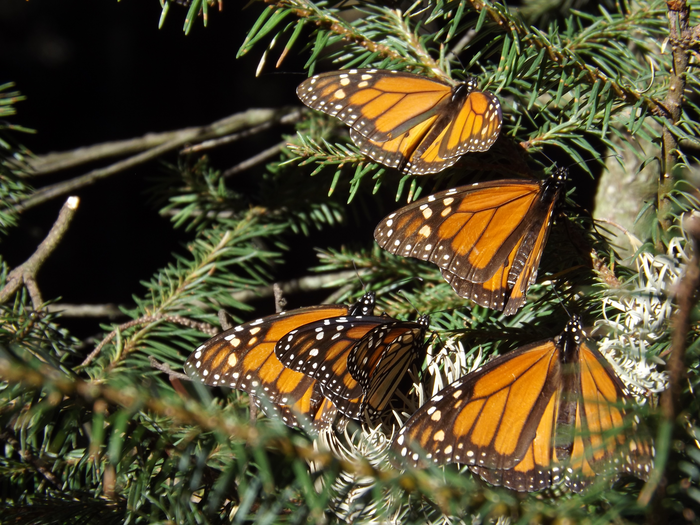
<point x="255" y="159"/>
<point x="679" y="36"/>
<point x="686" y="297"/>
<point x="184" y="321"/>
<point x="164" y="367"/>
<point x="289" y="118"/>
<point x="108" y="310"/>
<point x="246" y="119"/>
<point x="280" y="301"/>
<point x="53" y="162"/>
<point x="26" y="273"/>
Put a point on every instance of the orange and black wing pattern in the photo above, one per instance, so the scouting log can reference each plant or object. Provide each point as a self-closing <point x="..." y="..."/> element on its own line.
<point x="358" y="360"/>
<point x="412" y="123"/>
<point x="487" y="238"/>
<point x="243" y="358"/>
<point x="380" y="360"/>
<point x="549" y="411"/>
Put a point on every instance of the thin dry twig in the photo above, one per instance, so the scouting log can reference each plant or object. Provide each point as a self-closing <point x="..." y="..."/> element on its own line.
<point x="255" y="159"/>
<point x="280" y="301"/>
<point x="304" y="284"/>
<point x="246" y="119"/>
<point x="26" y="273"/>
<point x="109" y="310"/>
<point x="164" y="367"/>
<point x="184" y="321"/>
<point x="289" y="118"/>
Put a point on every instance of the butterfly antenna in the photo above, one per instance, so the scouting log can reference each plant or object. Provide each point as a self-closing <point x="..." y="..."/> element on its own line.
<point x="561" y="302"/>
<point x="357" y="272"/>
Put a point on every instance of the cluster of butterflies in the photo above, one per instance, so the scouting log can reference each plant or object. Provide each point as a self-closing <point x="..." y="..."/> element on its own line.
<point x="550" y="411"/>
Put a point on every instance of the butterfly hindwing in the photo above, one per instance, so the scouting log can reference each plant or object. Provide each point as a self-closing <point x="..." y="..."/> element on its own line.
<point x="355" y="359"/>
<point x="406" y="121"/>
<point x="549" y="411"/>
<point x="380" y="372"/>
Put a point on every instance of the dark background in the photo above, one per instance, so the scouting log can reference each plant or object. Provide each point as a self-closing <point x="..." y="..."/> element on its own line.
<point x="99" y="71"/>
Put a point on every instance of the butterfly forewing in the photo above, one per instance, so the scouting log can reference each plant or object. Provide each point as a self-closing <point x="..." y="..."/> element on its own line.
<point x="406" y="121"/>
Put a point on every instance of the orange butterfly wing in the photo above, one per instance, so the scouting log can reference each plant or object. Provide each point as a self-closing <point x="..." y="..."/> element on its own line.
<point x="380" y="360"/>
<point x="243" y="358"/>
<point x="354" y="358"/>
<point x="320" y="350"/>
<point x="406" y="121"/>
<point x="527" y="419"/>
<point x="486" y="238"/>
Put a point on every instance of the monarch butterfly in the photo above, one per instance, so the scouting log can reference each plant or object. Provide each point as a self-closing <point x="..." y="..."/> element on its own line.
<point x="355" y="358"/>
<point x="243" y="358"/>
<point x="409" y="122"/>
<point x="487" y="238"/>
<point x="527" y="418"/>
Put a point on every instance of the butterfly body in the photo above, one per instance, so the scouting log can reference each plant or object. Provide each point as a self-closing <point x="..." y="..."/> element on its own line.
<point x="405" y="121"/>
<point x="243" y="358"/>
<point x="487" y="238"/>
<point x="357" y="360"/>
<point x="545" y="412"/>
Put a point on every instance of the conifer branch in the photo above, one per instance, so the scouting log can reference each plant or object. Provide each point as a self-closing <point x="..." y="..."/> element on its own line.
<point x="565" y="54"/>
<point x="92" y="392"/>
<point x="183" y="321"/>
<point x="325" y="18"/>
<point x="26" y="273"/>
<point x="39" y="466"/>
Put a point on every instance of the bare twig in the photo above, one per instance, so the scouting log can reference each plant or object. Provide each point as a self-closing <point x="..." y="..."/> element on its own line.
<point x="184" y="321"/>
<point x="280" y="301"/>
<point x="109" y="310"/>
<point x="679" y="36"/>
<point x="460" y="45"/>
<point x="26" y="273"/>
<point x="53" y="162"/>
<point x="255" y="159"/>
<point x="252" y="117"/>
<point x="289" y="118"/>
<point x="164" y="367"/>
<point x="305" y="284"/>
<point x="225" y="320"/>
